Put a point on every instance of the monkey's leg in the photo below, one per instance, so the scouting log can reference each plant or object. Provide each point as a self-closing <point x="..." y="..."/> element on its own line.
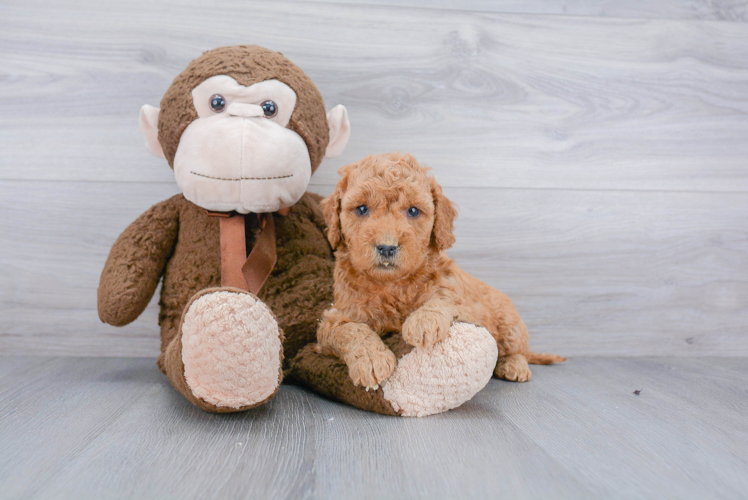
<point x="444" y="376"/>
<point x="426" y="380"/>
<point x="227" y="354"/>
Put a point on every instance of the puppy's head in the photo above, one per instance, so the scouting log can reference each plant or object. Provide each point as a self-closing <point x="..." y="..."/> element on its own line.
<point x="388" y="215"/>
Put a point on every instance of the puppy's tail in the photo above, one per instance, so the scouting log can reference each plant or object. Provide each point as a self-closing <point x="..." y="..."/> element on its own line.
<point x="544" y="359"/>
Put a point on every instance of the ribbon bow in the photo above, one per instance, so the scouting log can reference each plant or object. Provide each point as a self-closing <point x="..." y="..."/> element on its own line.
<point x="239" y="270"/>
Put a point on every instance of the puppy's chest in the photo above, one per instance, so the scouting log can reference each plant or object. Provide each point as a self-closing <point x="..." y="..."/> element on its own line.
<point x="387" y="309"/>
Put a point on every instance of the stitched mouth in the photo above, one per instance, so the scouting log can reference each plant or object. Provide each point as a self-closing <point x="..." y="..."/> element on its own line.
<point x="242" y="178"/>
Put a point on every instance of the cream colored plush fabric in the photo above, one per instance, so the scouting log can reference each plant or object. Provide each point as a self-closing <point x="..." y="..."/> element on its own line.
<point x="234" y="93"/>
<point x="237" y="159"/>
<point x="231" y="349"/>
<point x="148" y="125"/>
<point x="340" y="131"/>
<point x="442" y="377"/>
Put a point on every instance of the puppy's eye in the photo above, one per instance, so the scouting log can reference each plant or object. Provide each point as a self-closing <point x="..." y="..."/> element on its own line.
<point x="362" y="210"/>
<point x="413" y="212"/>
<point x="269" y="109"/>
<point x="217" y="103"/>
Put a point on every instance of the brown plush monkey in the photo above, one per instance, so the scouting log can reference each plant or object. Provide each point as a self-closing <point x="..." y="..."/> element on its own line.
<point x="244" y="129"/>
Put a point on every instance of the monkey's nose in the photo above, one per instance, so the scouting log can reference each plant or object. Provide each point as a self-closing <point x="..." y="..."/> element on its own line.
<point x="387" y="251"/>
<point x="244" y="110"/>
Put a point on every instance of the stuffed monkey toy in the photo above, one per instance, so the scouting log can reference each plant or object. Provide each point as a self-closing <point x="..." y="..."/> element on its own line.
<point x="246" y="267"/>
<point x="244" y="129"/>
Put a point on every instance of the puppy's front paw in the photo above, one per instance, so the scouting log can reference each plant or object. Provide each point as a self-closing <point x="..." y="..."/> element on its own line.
<point x="371" y="366"/>
<point x="426" y="328"/>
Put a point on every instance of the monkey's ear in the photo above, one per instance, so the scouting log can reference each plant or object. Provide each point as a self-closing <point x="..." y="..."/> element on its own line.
<point x="340" y="131"/>
<point x="148" y="124"/>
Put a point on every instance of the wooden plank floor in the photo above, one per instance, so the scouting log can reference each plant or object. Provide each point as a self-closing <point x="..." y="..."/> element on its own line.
<point x="114" y="428"/>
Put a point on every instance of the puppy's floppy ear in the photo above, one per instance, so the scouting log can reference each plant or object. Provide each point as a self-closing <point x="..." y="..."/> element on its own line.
<point x="331" y="209"/>
<point x="445" y="212"/>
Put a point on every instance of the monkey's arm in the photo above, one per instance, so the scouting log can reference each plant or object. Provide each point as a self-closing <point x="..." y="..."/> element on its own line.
<point x="312" y="200"/>
<point x="136" y="263"/>
<point x="369" y="361"/>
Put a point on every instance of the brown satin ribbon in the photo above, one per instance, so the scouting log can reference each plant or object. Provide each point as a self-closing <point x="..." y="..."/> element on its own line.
<point x="262" y="258"/>
<point x="237" y="269"/>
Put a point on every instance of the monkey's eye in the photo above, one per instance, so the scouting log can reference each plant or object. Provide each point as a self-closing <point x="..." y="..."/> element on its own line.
<point x="362" y="210"/>
<point x="269" y="108"/>
<point x="217" y="103"/>
<point x="413" y="212"/>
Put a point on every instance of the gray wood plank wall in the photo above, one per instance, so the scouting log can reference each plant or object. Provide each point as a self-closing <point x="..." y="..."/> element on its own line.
<point x="598" y="153"/>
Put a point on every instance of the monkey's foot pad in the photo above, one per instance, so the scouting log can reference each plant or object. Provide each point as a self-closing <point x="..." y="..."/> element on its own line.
<point x="440" y="378"/>
<point x="231" y="349"/>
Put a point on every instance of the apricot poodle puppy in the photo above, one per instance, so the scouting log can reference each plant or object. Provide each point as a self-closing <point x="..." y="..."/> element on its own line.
<point x="391" y="225"/>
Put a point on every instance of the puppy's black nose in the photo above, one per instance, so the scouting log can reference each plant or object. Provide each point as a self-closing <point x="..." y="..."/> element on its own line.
<point x="387" y="250"/>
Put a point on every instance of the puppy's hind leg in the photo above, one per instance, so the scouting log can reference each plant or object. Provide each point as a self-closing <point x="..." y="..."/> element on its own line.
<point x="515" y="354"/>
<point x="513" y="368"/>
<point x="513" y="346"/>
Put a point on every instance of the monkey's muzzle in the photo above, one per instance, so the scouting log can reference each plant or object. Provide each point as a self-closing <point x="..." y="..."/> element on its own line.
<point x="245" y="110"/>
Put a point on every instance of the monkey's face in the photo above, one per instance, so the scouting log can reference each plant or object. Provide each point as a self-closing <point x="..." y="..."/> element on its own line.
<point x="238" y="154"/>
<point x="243" y="128"/>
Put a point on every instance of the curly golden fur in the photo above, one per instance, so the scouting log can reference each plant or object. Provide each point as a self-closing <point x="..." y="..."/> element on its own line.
<point x="390" y="224"/>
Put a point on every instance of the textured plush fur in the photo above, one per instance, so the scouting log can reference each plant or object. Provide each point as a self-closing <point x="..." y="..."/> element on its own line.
<point x="247" y="64"/>
<point x="430" y="380"/>
<point x="328" y="375"/>
<point x="419" y="291"/>
<point x="178" y="242"/>
<point x="425" y="381"/>
<point x="231" y="350"/>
